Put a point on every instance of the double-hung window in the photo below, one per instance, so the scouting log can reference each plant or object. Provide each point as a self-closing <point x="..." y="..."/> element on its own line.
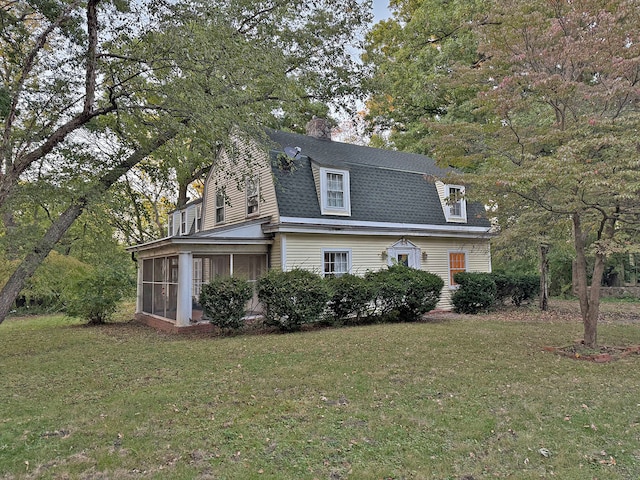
<point x="456" y="204"/>
<point x="335" y="192"/>
<point x="336" y="262"/>
<point x="183" y="223"/>
<point x="457" y="263"/>
<point x="219" y="207"/>
<point x="198" y="218"/>
<point x="253" y="196"/>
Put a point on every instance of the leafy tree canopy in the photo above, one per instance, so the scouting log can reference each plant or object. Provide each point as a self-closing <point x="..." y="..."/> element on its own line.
<point x="90" y="89"/>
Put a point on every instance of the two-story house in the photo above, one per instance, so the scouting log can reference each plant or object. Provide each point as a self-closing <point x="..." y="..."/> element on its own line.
<point x="308" y="202"/>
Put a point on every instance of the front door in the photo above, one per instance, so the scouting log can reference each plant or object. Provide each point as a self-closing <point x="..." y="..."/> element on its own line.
<point x="407" y="256"/>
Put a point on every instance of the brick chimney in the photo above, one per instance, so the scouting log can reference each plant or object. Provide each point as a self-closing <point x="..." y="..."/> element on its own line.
<point x="319" y="128"/>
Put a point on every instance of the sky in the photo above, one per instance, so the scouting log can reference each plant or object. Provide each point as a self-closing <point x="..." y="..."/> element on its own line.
<point x="380" y="10"/>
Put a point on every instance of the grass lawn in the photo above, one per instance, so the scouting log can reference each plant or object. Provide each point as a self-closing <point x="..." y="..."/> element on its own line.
<point x="451" y="398"/>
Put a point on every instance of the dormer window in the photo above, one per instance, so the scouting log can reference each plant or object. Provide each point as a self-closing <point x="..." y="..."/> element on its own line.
<point x="198" y="218"/>
<point x="456" y="205"/>
<point x="183" y="223"/>
<point x="335" y="196"/>
<point x="253" y="196"/>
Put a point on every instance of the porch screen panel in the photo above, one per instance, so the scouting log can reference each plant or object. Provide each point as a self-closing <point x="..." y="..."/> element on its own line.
<point x="220" y="266"/>
<point x="158" y="270"/>
<point x="158" y="299"/>
<point x="171" y="304"/>
<point x="250" y="267"/>
<point x="147" y="270"/>
<point x="160" y="286"/>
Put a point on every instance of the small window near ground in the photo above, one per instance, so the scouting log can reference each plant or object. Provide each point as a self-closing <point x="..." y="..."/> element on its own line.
<point x="336" y="263"/>
<point x="457" y="263"/>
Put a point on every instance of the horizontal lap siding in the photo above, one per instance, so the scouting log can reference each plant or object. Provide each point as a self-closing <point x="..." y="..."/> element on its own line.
<point x="305" y="251"/>
<point x="230" y="176"/>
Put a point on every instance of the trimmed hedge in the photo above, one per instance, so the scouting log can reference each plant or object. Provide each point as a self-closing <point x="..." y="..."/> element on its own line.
<point x="480" y="291"/>
<point x="223" y="301"/>
<point x="292" y="299"/>
<point x="517" y="287"/>
<point x="476" y="292"/>
<point x="351" y="297"/>
<point x="404" y="294"/>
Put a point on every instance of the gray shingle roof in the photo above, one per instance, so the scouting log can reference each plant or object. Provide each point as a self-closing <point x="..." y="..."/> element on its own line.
<point x="386" y="185"/>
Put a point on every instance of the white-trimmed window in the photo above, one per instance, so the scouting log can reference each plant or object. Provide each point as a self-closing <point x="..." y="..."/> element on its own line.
<point x="336" y="262"/>
<point x="219" y="207"/>
<point x="457" y="263"/>
<point x="170" y="227"/>
<point x="335" y="192"/>
<point x="253" y="196"/>
<point x="183" y="223"/>
<point x="456" y="208"/>
<point x="198" y="218"/>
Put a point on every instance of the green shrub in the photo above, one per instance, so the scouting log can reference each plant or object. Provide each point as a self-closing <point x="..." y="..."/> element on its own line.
<point x="503" y="286"/>
<point x="96" y="296"/>
<point x="517" y="287"/>
<point x="525" y="288"/>
<point x="53" y="283"/>
<point x="351" y="297"/>
<point x="476" y="292"/>
<point x="223" y="301"/>
<point x="404" y="294"/>
<point x="292" y="298"/>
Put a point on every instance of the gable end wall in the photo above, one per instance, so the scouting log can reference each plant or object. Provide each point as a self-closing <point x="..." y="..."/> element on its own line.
<point x="231" y="174"/>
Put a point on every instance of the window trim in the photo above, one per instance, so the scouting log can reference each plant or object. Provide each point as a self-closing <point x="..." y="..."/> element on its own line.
<point x="414" y="256"/>
<point x="452" y="284"/>
<point x="325" y="209"/>
<point x="198" y="218"/>
<point x="256" y="181"/>
<point x="336" y="250"/>
<point x="219" y="208"/>
<point x="449" y="206"/>
<point x="183" y="222"/>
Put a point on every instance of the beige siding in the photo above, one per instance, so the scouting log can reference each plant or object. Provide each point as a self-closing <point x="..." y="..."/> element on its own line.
<point x="305" y="251"/>
<point x="230" y="175"/>
<point x="316" y="179"/>
<point x="275" y="262"/>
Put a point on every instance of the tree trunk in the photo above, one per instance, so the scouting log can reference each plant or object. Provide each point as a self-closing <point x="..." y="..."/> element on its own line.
<point x="182" y="194"/>
<point x="591" y="322"/>
<point x="33" y="260"/>
<point x="544" y="277"/>
<point x="589" y="298"/>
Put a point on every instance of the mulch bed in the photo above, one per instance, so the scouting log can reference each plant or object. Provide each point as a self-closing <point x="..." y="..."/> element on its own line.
<point x="603" y="354"/>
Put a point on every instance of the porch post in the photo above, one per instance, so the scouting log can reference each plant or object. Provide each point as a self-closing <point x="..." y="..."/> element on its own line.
<point x="185" y="280"/>
<point x="139" y="287"/>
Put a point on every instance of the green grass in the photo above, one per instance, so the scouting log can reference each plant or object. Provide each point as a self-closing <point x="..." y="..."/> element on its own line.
<point x="452" y="399"/>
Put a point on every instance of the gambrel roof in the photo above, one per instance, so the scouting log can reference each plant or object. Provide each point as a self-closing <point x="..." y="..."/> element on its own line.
<point x="387" y="186"/>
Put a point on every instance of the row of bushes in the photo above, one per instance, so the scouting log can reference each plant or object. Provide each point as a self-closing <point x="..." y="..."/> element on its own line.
<point x="292" y="299"/>
<point x="482" y="291"/>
